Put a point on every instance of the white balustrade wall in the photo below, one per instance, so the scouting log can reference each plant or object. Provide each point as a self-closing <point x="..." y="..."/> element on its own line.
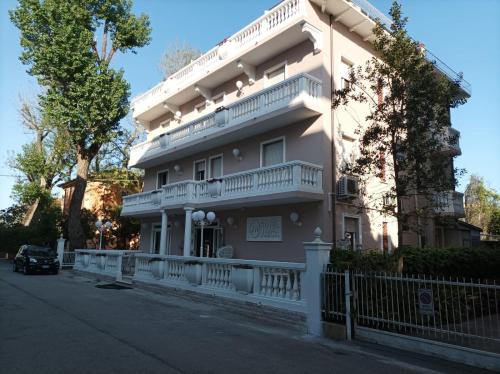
<point x="271" y="22"/>
<point x="277" y="284"/>
<point x="106" y="262"/>
<point x="289" y="176"/>
<point x="277" y="96"/>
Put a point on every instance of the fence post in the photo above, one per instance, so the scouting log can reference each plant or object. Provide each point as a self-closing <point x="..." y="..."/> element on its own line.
<point x="119" y="261"/>
<point x="348" y="323"/>
<point x="317" y="256"/>
<point x="60" y="250"/>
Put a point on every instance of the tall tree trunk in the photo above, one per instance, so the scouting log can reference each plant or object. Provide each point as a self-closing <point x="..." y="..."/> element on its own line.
<point x="75" y="229"/>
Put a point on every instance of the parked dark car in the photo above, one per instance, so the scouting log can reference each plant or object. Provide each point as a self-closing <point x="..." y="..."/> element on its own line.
<point x="32" y="259"/>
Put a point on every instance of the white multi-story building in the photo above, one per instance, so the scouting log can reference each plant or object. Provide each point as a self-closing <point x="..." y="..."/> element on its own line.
<point x="247" y="131"/>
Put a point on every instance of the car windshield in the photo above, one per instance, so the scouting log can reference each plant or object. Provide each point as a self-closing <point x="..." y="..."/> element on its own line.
<point x="42" y="252"/>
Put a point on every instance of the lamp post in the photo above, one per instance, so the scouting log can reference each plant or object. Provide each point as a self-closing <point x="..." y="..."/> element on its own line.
<point x="202" y="220"/>
<point x="101" y="227"/>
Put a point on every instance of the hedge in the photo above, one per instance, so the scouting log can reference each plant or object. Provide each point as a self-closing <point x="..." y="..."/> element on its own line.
<point x="480" y="262"/>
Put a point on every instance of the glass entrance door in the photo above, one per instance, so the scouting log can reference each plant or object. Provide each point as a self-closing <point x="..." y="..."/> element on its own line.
<point x="212" y="241"/>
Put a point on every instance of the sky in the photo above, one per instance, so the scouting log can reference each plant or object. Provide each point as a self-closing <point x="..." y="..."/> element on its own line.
<point x="465" y="34"/>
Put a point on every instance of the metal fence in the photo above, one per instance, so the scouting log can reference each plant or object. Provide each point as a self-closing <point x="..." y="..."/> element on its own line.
<point x="462" y="312"/>
<point x="68" y="259"/>
<point x="128" y="264"/>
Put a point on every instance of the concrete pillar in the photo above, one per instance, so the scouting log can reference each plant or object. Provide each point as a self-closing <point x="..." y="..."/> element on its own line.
<point x="163" y="233"/>
<point x="187" y="231"/>
<point x="317" y="257"/>
<point x="60" y="250"/>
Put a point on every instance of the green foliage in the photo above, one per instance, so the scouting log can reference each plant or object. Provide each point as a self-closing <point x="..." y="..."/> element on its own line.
<point x="408" y="101"/>
<point x="482" y="205"/>
<point x="364" y="261"/>
<point x="481" y="262"/>
<point x="176" y="56"/>
<point x="43" y="230"/>
<point x="83" y="93"/>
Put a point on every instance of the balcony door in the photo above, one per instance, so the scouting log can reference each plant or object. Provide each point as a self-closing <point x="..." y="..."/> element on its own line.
<point x="156" y="237"/>
<point x="212" y="240"/>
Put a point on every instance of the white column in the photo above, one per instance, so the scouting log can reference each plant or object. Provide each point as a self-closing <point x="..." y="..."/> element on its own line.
<point x="187" y="231"/>
<point x="60" y="250"/>
<point x="317" y="256"/>
<point x="163" y="234"/>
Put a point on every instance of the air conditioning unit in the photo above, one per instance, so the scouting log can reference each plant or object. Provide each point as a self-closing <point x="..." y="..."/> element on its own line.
<point x="348" y="186"/>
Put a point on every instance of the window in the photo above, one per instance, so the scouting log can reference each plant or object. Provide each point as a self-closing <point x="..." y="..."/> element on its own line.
<point x="215" y="166"/>
<point x="272" y="152"/>
<point x="345" y="80"/>
<point x="165" y="123"/>
<point x="200" y="107"/>
<point x="275" y="74"/>
<point x="219" y="98"/>
<point x="199" y="170"/>
<point x="161" y="178"/>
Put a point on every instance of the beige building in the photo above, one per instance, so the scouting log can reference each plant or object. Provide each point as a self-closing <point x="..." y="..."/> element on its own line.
<point x="247" y="132"/>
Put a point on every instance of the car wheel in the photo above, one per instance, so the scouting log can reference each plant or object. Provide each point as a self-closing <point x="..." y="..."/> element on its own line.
<point x="25" y="270"/>
<point x="14" y="268"/>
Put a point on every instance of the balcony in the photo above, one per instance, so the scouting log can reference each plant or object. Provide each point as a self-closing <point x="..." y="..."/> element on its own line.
<point x="277" y="30"/>
<point x="287" y="102"/>
<point x="290" y="182"/>
<point x="359" y="16"/>
<point x="449" y="203"/>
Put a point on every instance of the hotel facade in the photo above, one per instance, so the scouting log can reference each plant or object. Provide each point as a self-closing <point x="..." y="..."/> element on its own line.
<point x="247" y="135"/>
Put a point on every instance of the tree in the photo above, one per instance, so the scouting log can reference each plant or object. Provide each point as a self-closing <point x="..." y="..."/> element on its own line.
<point x="42" y="163"/>
<point x="482" y="204"/>
<point x="84" y="94"/>
<point x="176" y="56"/>
<point x="408" y="103"/>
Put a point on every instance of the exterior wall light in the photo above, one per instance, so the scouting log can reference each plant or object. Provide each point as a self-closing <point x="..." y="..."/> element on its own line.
<point x="237" y="154"/>
<point x="178" y="169"/>
<point x="239" y="86"/>
<point x="201" y="219"/>
<point x="294" y="217"/>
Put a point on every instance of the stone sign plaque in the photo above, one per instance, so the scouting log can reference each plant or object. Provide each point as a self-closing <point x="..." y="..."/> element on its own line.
<point x="264" y="229"/>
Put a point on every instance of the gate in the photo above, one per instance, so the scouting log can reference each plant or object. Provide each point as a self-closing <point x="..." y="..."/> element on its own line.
<point x="460" y="312"/>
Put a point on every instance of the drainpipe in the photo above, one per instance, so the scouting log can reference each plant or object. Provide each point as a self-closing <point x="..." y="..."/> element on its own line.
<point x="332" y="145"/>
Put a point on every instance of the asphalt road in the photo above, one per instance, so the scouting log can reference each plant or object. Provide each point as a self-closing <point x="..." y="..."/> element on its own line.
<point x="64" y="324"/>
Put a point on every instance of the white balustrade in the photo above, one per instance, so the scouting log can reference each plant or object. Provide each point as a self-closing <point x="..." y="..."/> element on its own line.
<point x="271" y="22"/>
<point x="277" y="96"/>
<point x="289" y="176"/>
<point x="105" y="262"/>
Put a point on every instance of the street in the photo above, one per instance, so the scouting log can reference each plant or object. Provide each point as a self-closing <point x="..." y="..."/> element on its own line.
<point x="64" y="324"/>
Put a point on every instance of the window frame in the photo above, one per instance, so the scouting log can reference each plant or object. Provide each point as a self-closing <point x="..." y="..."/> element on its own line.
<point x="360" y="225"/>
<point x="165" y="123"/>
<point x="262" y="144"/>
<point x="194" y="169"/>
<point x="346" y="61"/>
<point x="158" y="176"/>
<point x="272" y="69"/>
<point x="201" y="107"/>
<point x="219" y="95"/>
<point x="221" y="155"/>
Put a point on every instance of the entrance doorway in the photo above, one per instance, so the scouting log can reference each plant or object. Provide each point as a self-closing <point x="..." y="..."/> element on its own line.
<point x="212" y="240"/>
<point x="156" y="237"/>
<point x="352" y="232"/>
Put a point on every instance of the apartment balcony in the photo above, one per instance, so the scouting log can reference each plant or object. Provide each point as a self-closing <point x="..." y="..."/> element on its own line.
<point x="449" y="203"/>
<point x="279" y="29"/>
<point x="290" y="182"/>
<point x="359" y="16"/>
<point x="287" y="102"/>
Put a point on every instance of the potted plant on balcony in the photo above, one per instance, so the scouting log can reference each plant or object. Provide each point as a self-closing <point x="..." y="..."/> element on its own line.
<point x="156" y="267"/>
<point x="214" y="187"/>
<point x="192" y="271"/>
<point x="242" y="278"/>
<point x="163" y="140"/>
<point x="100" y="260"/>
<point x="221" y="116"/>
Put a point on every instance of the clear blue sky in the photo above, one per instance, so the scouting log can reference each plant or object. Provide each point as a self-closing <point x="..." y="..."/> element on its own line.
<point x="463" y="33"/>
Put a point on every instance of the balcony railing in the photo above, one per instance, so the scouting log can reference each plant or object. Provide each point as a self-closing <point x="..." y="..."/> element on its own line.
<point x="269" y="23"/>
<point x="278" y="96"/>
<point x="449" y="203"/>
<point x="293" y="176"/>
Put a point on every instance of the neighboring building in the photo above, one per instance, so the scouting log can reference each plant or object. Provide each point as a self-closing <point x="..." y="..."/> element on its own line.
<point x="247" y="131"/>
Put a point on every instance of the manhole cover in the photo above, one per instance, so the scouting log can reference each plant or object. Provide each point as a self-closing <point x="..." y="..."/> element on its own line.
<point x="113" y="286"/>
